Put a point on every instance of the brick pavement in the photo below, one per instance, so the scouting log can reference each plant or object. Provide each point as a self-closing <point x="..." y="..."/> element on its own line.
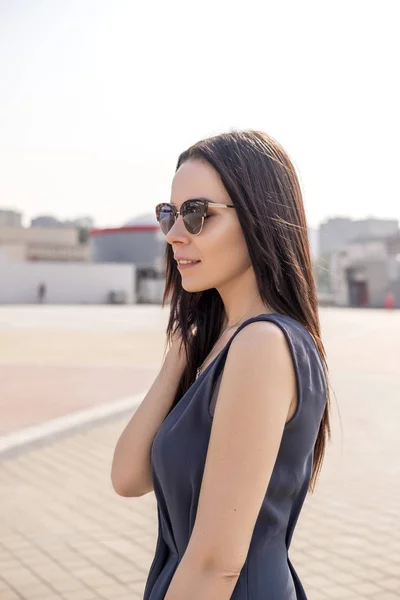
<point x="64" y="533"/>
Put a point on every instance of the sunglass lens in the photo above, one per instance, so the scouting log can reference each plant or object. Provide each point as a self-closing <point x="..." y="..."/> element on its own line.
<point x="165" y="217"/>
<point x="192" y="215"/>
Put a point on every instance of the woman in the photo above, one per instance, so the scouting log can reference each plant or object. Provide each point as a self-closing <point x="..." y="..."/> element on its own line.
<point x="232" y="433"/>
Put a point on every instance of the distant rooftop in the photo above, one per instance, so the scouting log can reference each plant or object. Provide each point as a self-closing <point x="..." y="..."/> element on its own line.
<point x="146" y="222"/>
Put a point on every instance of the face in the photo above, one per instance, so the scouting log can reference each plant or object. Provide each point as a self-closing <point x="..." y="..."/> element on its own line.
<point x="220" y="246"/>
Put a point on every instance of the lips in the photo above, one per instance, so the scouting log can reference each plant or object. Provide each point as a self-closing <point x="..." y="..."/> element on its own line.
<point x="189" y="265"/>
<point x="178" y="258"/>
<point x="190" y="262"/>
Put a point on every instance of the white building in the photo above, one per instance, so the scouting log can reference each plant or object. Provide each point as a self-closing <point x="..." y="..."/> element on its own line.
<point x="10" y="218"/>
<point x="65" y="282"/>
<point x="43" y="243"/>
<point x="337" y="232"/>
<point x="364" y="271"/>
<point x="139" y="242"/>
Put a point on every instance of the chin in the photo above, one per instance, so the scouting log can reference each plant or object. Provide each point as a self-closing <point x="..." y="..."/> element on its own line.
<point x="193" y="286"/>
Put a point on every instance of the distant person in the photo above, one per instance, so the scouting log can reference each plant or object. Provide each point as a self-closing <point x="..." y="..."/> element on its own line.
<point x="232" y="433"/>
<point x="41" y="292"/>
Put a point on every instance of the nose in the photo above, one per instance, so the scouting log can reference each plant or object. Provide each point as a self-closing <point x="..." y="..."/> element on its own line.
<point x="178" y="232"/>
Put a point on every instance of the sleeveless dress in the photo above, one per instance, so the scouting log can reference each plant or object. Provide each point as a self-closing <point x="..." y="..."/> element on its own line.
<point x="178" y="458"/>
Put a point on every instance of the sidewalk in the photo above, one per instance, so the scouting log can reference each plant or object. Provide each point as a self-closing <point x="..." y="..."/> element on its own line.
<point x="65" y="534"/>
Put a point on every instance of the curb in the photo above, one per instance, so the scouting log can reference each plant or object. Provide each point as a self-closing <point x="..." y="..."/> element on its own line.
<point x="50" y="431"/>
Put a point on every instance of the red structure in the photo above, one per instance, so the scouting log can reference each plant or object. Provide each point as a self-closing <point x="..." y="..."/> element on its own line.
<point x="389" y="300"/>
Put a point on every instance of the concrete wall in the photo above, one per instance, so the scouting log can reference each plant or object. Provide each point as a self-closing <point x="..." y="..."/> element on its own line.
<point x="371" y="250"/>
<point x="372" y="258"/>
<point x="10" y="218"/>
<point x="338" y="279"/>
<point x="57" y="252"/>
<point x="150" y="290"/>
<point x="377" y="278"/>
<point x="374" y="227"/>
<point x="67" y="283"/>
<point x="375" y="272"/>
<point x="39" y="235"/>
<point x="13" y="252"/>
<point x="333" y="234"/>
<point x="336" y="233"/>
<point x="395" y="287"/>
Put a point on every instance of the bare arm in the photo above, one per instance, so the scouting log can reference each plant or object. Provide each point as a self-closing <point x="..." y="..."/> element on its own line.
<point x="131" y="467"/>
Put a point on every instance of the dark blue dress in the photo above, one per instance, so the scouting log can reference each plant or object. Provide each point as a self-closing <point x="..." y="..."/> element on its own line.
<point x="178" y="457"/>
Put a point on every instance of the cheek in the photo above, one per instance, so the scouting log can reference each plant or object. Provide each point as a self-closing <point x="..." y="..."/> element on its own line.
<point x="224" y="255"/>
<point x="225" y="251"/>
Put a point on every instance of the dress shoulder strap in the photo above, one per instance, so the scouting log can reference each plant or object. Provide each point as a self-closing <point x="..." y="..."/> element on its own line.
<point x="295" y="332"/>
<point x="307" y="361"/>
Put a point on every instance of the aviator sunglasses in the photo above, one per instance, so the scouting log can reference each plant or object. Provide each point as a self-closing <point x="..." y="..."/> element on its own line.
<point x="193" y="213"/>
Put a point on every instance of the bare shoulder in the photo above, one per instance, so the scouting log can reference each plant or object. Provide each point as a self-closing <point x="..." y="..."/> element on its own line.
<point x="261" y="328"/>
<point x="261" y="336"/>
<point x="260" y="359"/>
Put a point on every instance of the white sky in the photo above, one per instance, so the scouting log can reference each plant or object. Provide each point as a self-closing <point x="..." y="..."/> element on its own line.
<point x="98" y="97"/>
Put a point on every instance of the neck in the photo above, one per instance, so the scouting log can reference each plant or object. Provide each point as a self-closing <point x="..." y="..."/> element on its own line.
<point x="241" y="299"/>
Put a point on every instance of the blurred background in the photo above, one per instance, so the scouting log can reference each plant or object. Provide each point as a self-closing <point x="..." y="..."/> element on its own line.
<point x="97" y="100"/>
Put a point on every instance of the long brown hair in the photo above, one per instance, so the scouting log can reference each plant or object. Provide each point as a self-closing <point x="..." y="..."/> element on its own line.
<point x="262" y="184"/>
